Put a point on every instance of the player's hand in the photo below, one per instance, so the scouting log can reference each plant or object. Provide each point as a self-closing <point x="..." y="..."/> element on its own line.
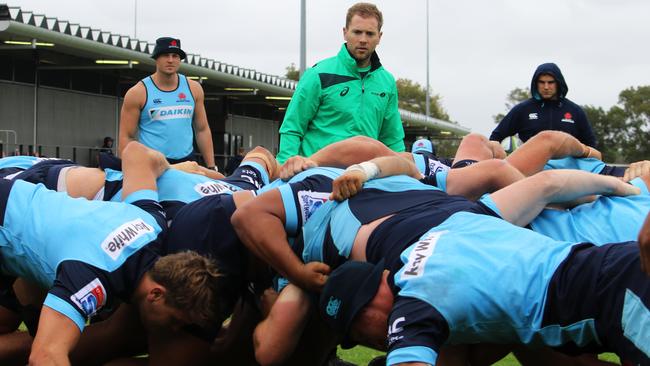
<point x="644" y="246"/>
<point x="347" y="185"/>
<point x="624" y="189"/>
<point x="188" y="167"/>
<point x="637" y="169"/>
<point x="313" y="276"/>
<point x="295" y="165"/>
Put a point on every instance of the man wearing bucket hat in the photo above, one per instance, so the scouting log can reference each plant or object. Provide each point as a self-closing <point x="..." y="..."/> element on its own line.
<point x="164" y="111"/>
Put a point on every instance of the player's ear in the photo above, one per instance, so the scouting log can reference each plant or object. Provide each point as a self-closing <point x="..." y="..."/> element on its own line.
<point x="157" y="293"/>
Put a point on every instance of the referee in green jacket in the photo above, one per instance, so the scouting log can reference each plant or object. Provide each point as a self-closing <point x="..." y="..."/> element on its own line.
<point x="348" y="95"/>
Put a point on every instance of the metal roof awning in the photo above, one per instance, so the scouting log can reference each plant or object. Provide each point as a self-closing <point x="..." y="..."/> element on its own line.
<point x="92" y="43"/>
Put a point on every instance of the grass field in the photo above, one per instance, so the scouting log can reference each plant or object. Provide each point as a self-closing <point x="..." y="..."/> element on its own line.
<point x="362" y="355"/>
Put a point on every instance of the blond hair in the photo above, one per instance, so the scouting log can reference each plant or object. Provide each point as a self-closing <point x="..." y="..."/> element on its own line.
<point x="364" y="10"/>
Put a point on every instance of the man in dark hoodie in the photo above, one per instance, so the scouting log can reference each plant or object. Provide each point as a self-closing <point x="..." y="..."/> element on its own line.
<point x="548" y="109"/>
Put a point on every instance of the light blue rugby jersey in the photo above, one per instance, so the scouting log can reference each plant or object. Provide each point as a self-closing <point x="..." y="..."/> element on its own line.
<point x="176" y="185"/>
<point x="43" y="228"/>
<point x="22" y="162"/>
<point x="609" y="219"/>
<point x="488" y="279"/>
<point x="166" y="119"/>
<point x="344" y="222"/>
<point x="586" y="164"/>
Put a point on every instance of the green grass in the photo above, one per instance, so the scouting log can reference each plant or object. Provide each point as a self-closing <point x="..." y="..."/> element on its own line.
<point x="362" y="355"/>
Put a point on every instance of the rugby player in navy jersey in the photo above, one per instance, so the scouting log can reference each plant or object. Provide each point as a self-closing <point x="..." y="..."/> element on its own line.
<point x="387" y="200"/>
<point x="110" y="255"/>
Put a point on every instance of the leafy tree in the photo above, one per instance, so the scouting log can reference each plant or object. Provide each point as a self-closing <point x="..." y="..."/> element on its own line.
<point x="623" y="131"/>
<point x="292" y="72"/>
<point x="516" y="96"/>
<point x="412" y="97"/>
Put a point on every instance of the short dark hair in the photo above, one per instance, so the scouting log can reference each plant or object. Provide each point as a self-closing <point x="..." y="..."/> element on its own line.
<point x="364" y="10"/>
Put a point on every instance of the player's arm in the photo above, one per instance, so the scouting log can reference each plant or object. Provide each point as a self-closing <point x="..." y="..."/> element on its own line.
<point x="56" y="336"/>
<point x="531" y="157"/>
<point x="141" y="166"/>
<point x="134" y="100"/>
<point x="587" y="135"/>
<point x="351" y="182"/>
<point x="340" y="154"/>
<point x="300" y="112"/>
<point x="200" y="123"/>
<point x="260" y="226"/>
<point x="507" y="127"/>
<point x="194" y="168"/>
<point x="276" y="337"/>
<point x="522" y="201"/>
<point x="637" y="169"/>
<point x="391" y="132"/>
<point x="483" y="177"/>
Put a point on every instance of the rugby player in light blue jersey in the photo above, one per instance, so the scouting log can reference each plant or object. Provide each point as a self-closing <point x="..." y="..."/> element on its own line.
<point x="92" y="255"/>
<point x="469" y="278"/>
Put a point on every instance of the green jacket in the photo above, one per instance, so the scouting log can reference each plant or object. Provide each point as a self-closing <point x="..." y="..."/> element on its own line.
<point x="332" y="102"/>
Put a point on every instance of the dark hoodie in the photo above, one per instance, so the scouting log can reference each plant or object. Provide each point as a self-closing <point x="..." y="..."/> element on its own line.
<point x="535" y="114"/>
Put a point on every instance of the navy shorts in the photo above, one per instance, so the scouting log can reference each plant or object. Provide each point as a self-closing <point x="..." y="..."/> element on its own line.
<point x="606" y="284"/>
<point x="463" y="163"/>
<point x="616" y="171"/>
<point x="12" y="171"/>
<point x="246" y="177"/>
<point x="46" y="172"/>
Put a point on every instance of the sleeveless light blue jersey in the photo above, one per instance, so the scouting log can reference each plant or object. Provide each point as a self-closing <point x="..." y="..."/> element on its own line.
<point x="342" y="221"/>
<point x="608" y="219"/>
<point x="166" y="119"/>
<point x="488" y="279"/>
<point x="43" y="228"/>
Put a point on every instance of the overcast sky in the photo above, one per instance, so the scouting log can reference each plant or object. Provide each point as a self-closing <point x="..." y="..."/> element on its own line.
<point x="479" y="50"/>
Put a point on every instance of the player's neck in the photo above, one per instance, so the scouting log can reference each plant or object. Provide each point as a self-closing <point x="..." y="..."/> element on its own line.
<point x="164" y="81"/>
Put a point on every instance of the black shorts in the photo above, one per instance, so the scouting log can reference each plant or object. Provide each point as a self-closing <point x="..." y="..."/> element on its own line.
<point x="46" y="172"/>
<point x="606" y="284"/>
<point x="463" y="163"/>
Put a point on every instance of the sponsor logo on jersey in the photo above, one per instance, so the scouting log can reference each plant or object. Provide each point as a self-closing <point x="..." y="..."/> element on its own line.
<point x="568" y="118"/>
<point x="182" y="97"/>
<point x="157" y="101"/>
<point x="436" y="166"/>
<point x="532" y="116"/>
<point x="394" y="329"/>
<point x="125" y="235"/>
<point x="333" y="306"/>
<point x="213" y="187"/>
<point x="344" y="91"/>
<point x="171" y="112"/>
<point x="422" y="250"/>
<point x="382" y="94"/>
<point x="251" y="177"/>
<point x="90" y="298"/>
<point x="310" y="201"/>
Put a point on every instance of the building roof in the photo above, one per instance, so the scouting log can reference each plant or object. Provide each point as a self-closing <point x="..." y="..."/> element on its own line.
<point x="92" y="44"/>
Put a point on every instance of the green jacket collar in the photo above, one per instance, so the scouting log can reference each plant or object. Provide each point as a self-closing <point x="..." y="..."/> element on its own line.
<point x="351" y="64"/>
